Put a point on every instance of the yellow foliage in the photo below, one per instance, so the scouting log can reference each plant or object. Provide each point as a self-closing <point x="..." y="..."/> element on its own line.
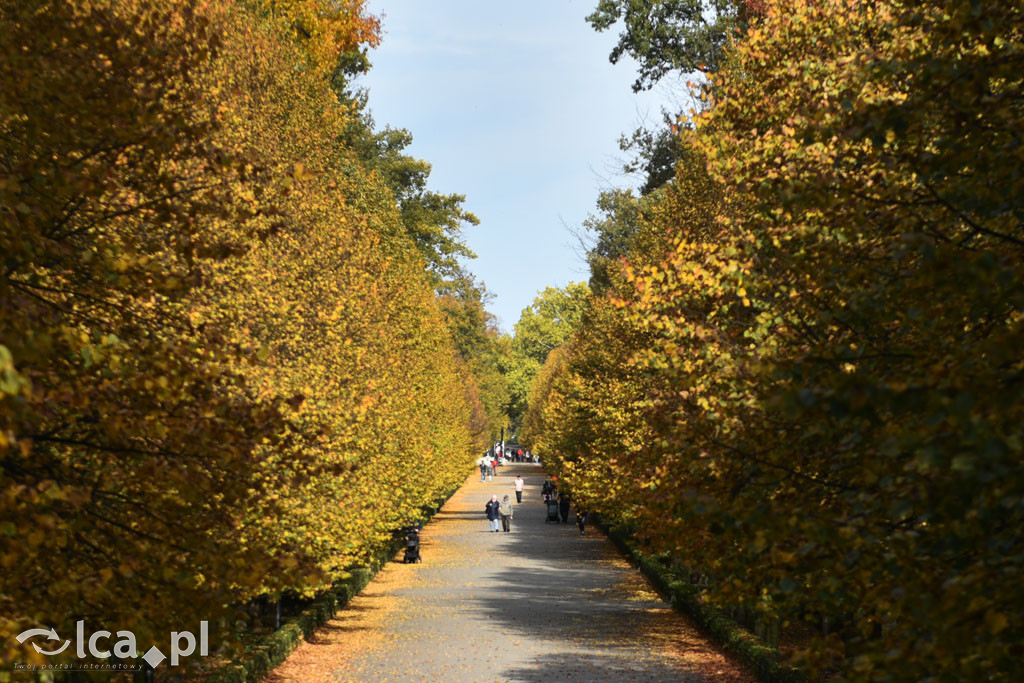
<point x="223" y="370"/>
<point x="824" y="371"/>
<point x="326" y="29"/>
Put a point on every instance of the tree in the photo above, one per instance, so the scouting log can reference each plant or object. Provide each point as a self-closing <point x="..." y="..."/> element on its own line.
<point x="888" y="226"/>
<point x="131" y="442"/>
<point x="655" y="152"/>
<point x="549" y="320"/>
<point x="668" y="35"/>
<point x="542" y="327"/>
<point x="334" y="34"/>
<point x="482" y="349"/>
<point x="624" y="230"/>
<point x="824" y="364"/>
<point x="215" y="333"/>
<point x="434" y="221"/>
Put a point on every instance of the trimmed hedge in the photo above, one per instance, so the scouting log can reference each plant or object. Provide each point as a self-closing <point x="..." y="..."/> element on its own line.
<point x="260" y="659"/>
<point x="765" y="661"/>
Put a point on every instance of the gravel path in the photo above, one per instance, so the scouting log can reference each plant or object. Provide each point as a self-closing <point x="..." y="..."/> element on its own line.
<point x="540" y="603"/>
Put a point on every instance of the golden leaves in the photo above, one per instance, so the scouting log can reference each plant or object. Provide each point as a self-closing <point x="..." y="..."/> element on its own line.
<point x="327" y="30"/>
<point x="163" y="298"/>
<point x="806" y="361"/>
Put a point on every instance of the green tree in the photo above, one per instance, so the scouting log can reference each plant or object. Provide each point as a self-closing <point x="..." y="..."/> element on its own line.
<point x="543" y="327"/>
<point x="433" y="220"/>
<point x="666" y="36"/>
<point x="480" y="345"/>
<point x="624" y="229"/>
<point x="654" y="152"/>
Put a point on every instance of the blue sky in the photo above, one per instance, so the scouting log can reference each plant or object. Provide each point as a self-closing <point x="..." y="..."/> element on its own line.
<point x="517" y="107"/>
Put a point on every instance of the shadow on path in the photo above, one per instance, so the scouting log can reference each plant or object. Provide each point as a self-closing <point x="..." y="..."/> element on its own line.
<point x="541" y="603"/>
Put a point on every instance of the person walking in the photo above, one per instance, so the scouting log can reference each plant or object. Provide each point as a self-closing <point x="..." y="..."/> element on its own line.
<point x="493" y="513"/>
<point x="483" y="470"/>
<point x="519" y="488"/>
<point x="505" y="510"/>
<point x="563" y="506"/>
<point x="581" y="519"/>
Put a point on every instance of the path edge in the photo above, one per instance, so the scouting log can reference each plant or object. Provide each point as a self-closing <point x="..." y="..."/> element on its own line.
<point x="762" y="659"/>
<point x="267" y="654"/>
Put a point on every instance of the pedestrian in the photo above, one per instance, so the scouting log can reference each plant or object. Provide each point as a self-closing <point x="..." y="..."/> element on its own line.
<point x="505" y="510"/>
<point x="563" y="506"/>
<point x="492" y="512"/>
<point x="483" y="470"/>
<point x="519" y="488"/>
<point x="490" y="469"/>
<point x="581" y="519"/>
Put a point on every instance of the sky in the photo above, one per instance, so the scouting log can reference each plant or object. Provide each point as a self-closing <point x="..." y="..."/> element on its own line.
<point x="515" y="106"/>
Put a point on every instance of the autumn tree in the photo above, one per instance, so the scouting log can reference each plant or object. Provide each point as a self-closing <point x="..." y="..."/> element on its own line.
<point x="827" y="353"/>
<point x="621" y="229"/>
<point x="435" y="223"/>
<point x="482" y="347"/>
<point x="218" y="342"/>
<point x="130" y="440"/>
<point x="333" y="34"/>
<point x="895" y="281"/>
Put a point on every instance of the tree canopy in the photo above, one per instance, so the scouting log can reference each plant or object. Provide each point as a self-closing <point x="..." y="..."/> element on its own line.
<point x="666" y="36"/>
<point x="804" y="387"/>
<point x="542" y="327"/>
<point x="219" y="339"/>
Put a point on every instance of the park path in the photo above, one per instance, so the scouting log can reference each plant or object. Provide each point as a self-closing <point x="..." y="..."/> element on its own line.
<point x="541" y="603"/>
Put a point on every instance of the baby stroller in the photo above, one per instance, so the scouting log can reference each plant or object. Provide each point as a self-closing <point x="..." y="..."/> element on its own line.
<point x="552" y="511"/>
<point x="412" y="546"/>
